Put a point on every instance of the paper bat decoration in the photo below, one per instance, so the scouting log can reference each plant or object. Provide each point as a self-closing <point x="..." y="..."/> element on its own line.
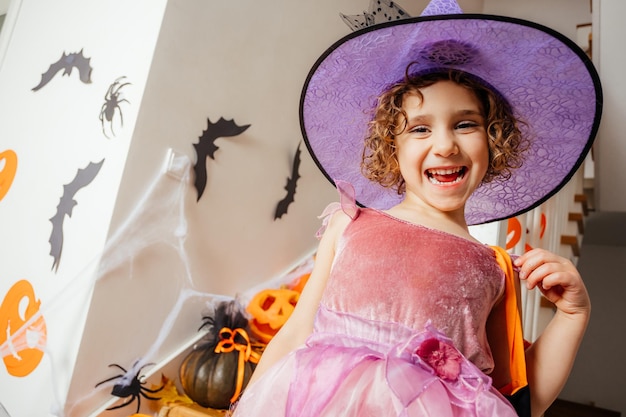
<point x="67" y="63"/>
<point x="66" y="204"/>
<point x="281" y="207"/>
<point x="206" y="147"/>
<point x="379" y="11"/>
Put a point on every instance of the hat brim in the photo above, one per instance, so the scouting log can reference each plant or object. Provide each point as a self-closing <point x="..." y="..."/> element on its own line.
<point x="548" y="80"/>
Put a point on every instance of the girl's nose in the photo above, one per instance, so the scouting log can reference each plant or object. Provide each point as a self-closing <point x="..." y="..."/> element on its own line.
<point x="444" y="144"/>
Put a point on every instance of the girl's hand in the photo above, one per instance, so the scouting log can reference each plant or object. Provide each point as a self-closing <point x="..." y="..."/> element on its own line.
<point x="557" y="279"/>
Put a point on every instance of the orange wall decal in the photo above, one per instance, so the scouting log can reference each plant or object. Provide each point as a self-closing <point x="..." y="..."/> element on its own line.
<point x="513" y="233"/>
<point x="8" y="167"/>
<point x="24" y="348"/>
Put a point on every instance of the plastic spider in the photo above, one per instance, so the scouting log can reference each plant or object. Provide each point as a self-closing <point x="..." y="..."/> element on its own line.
<point x="130" y="388"/>
<point x="112" y="100"/>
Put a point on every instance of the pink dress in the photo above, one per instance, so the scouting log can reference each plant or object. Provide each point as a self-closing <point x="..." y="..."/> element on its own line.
<point x="400" y="330"/>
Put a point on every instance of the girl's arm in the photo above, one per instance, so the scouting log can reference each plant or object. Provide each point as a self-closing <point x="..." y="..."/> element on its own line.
<point x="550" y="359"/>
<point x="300" y="324"/>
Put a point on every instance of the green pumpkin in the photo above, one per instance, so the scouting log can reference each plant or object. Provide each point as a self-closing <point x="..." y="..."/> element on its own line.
<point x="210" y="379"/>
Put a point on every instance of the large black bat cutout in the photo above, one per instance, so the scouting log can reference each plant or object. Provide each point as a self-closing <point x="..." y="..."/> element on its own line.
<point x="206" y="147"/>
<point x="67" y="63"/>
<point x="66" y="205"/>
<point x="379" y="11"/>
<point x="281" y="207"/>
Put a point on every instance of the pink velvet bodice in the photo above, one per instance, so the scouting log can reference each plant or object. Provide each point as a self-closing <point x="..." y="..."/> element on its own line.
<point x="400" y="330"/>
<point x="387" y="270"/>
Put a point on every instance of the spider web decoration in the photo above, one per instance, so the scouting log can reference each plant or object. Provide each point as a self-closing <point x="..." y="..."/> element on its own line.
<point x="380" y="11"/>
<point x="157" y="221"/>
<point x="3" y="411"/>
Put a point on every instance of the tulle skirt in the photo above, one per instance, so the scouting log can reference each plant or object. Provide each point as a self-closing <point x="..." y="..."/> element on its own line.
<point x="356" y="374"/>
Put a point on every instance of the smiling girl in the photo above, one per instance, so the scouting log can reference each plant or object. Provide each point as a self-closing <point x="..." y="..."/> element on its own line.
<point x="405" y="313"/>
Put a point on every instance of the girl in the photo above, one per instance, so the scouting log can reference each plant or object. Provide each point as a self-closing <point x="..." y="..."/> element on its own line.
<point x="405" y="313"/>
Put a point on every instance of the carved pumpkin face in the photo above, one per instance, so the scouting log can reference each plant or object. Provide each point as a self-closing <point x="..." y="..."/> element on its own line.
<point x="270" y="309"/>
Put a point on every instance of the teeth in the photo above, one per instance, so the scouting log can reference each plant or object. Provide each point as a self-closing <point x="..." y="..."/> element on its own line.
<point x="447" y="171"/>
<point x="436" y="181"/>
<point x="432" y="173"/>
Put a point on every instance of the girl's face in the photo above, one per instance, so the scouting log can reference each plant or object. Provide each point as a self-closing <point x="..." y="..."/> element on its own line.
<point x="443" y="153"/>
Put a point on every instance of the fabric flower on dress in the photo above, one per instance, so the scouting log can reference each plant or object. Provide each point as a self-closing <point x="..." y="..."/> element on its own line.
<point x="442" y="357"/>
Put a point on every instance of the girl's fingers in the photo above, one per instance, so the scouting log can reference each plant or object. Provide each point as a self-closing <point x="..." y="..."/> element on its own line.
<point x="556" y="277"/>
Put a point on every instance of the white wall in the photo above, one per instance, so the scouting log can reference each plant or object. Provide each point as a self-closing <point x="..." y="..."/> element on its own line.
<point x="561" y="15"/>
<point x="610" y="150"/>
<point x="4" y="6"/>
<point x="54" y="132"/>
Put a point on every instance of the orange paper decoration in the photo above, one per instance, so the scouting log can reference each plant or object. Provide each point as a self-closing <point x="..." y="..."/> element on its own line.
<point x="24" y="343"/>
<point x="7" y="173"/>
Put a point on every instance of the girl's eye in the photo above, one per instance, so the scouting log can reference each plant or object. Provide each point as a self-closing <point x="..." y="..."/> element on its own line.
<point x="466" y="125"/>
<point x="419" y="129"/>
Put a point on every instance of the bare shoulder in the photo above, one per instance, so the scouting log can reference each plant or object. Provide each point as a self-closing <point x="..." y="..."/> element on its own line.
<point x="333" y="228"/>
<point x="338" y="222"/>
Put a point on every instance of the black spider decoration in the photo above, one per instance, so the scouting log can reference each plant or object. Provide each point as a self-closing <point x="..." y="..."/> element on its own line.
<point x="112" y="100"/>
<point x="130" y="388"/>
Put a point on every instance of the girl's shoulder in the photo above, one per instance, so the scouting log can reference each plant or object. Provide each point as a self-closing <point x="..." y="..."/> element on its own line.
<point x="339" y="214"/>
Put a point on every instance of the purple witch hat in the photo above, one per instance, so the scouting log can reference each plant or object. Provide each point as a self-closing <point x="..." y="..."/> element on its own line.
<point x="548" y="80"/>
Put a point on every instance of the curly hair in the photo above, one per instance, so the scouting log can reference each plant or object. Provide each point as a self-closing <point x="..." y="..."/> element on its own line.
<point x="506" y="144"/>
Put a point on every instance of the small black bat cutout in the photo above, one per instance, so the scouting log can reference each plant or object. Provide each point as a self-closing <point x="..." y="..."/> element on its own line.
<point x="281" y="207"/>
<point x="206" y="147"/>
<point x="67" y="63"/>
<point x="66" y="204"/>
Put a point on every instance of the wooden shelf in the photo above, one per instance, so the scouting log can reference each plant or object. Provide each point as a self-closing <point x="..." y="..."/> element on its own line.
<point x="571" y="241"/>
<point x="579" y="219"/>
<point x="582" y="199"/>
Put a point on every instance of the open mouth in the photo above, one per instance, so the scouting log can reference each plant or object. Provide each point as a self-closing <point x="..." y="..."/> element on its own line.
<point x="446" y="176"/>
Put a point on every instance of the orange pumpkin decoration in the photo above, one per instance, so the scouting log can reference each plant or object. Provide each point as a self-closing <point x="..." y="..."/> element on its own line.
<point x="25" y="353"/>
<point x="270" y="309"/>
